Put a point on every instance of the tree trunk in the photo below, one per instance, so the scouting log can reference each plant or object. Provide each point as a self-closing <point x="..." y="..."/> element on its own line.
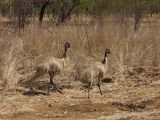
<point x="41" y="15"/>
<point x="137" y="13"/>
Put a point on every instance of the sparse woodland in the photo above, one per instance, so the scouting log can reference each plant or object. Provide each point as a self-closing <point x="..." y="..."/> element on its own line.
<point x="33" y="31"/>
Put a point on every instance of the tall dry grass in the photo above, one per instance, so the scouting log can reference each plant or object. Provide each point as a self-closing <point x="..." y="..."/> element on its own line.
<point x="19" y="55"/>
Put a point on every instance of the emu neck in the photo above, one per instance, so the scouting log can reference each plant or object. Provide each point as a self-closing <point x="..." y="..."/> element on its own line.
<point x="105" y="60"/>
<point x="65" y="52"/>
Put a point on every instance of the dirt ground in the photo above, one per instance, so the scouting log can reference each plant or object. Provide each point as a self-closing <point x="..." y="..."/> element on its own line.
<point x="135" y="95"/>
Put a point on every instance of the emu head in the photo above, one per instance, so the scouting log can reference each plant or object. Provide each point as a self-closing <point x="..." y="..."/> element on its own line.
<point x="66" y="46"/>
<point x="107" y="51"/>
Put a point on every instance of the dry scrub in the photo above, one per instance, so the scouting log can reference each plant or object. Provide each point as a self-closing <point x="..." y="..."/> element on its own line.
<point x="19" y="55"/>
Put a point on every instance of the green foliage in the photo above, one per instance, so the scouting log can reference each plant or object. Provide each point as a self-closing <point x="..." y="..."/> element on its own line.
<point x="4" y="7"/>
<point x="84" y="5"/>
<point x="4" y="2"/>
<point x="98" y="6"/>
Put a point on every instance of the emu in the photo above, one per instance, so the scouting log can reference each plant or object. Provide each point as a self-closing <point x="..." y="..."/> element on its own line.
<point x="94" y="73"/>
<point x="53" y="67"/>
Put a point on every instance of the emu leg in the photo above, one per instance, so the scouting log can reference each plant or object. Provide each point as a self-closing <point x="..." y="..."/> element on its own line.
<point x="51" y="82"/>
<point x="89" y="87"/>
<point x="99" y="86"/>
<point x="49" y="86"/>
<point x="56" y="87"/>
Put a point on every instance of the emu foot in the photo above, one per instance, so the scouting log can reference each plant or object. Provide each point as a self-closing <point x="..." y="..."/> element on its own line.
<point x="60" y="92"/>
<point x="52" y="88"/>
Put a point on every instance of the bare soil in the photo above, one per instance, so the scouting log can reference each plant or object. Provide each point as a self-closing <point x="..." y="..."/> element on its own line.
<point x="133" y="95"/>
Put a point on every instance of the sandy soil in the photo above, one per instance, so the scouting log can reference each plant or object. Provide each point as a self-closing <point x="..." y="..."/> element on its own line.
<point x="137" y="97"/>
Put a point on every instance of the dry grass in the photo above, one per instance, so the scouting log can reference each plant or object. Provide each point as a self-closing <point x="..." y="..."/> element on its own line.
<point x="19" y="55"/>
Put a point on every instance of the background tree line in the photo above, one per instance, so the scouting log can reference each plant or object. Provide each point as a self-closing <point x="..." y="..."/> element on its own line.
<point x="23" y="9"/>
